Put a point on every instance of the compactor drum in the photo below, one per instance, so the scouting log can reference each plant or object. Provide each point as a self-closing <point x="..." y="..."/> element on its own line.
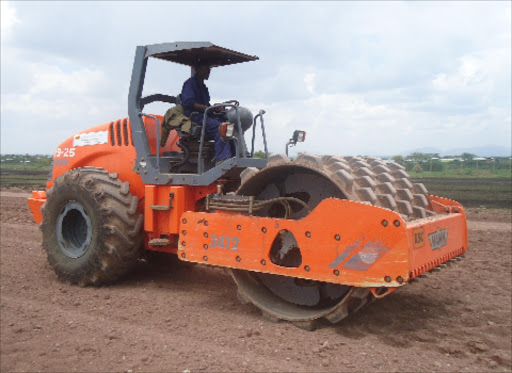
<point x="312" y="179"/>
<point x="305" y="240"/>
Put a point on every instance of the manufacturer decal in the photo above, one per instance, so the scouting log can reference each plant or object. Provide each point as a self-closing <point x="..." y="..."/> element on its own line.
<point x="438" y="239"/>
<point x="419" y="237"/>
<point x="370" y="254"/>
<point x="366" y="256"/>
<point x="344" y="255"/>
<point x="90" y="138"/>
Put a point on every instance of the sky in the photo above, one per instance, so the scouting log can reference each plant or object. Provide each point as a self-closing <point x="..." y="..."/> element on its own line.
<point x="361" y="78"/>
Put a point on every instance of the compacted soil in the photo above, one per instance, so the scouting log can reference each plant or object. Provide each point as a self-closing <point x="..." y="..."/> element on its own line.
<point x="171" y="316"/>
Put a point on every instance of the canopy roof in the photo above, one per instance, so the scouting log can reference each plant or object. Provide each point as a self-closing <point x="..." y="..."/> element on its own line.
<point x="191" y="53"/>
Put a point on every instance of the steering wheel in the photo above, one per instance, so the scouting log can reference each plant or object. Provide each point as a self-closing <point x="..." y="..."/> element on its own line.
<point x="232" y="102"/>
<point x="221" y="110"/>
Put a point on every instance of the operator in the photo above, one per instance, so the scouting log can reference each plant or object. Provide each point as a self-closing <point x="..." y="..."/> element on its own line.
<point x="196" y="98"/>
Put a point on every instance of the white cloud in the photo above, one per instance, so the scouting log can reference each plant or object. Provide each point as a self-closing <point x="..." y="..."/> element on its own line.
<point x="8" y="18"/>
<point x="347" y="124"/>
<point x="51" y="80"/>
<point x="309" y="79"/>
<point x="361" y="78"/>
<point x="57" y="94"/>
<point x="470" y="73"/>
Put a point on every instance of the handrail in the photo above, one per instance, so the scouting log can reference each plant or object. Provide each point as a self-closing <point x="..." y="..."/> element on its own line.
<point x="260" y="115"/>
<point x="157" y="138"/>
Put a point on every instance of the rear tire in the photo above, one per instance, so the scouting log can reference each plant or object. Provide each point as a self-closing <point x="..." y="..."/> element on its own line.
<point x="91" y="228"/>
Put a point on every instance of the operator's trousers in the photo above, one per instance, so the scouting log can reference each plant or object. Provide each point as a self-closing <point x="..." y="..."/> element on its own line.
<point x="223" y="150"/>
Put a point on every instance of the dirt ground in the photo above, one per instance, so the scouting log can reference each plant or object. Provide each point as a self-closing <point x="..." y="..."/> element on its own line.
<point x="178" y="317"/>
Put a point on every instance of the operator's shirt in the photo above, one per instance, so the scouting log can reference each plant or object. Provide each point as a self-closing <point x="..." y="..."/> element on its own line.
<point x="194" y="91"/>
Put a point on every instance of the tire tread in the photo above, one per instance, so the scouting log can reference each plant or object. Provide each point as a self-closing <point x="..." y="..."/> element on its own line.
<point x="120" y="226"/>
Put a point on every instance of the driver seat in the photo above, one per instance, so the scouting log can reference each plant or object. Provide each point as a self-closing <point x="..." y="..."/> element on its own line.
<point x="189" y="134"/>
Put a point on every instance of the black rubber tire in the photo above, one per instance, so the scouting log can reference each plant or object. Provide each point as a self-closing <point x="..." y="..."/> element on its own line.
<point x="92" y="232"/>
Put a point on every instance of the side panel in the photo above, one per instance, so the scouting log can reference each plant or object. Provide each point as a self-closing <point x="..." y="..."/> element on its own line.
<point x="340" y="241"/>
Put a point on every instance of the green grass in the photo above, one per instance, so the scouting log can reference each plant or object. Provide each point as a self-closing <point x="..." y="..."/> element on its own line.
<point x="488" y="184"/>
<point x="472" y="192"/>
<point x="472" y="188"/>
<point x="20" y="165"/>
<point x="24" y="171"/>
<point x="24" y="179"/>
<point x="464" y="174"/>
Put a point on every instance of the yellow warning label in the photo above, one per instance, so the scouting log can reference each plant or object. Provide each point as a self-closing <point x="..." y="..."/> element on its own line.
<point x="419" y="237"/>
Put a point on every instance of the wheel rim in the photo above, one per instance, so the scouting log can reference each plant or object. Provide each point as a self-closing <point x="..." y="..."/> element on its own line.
<point x="74" y="230"/>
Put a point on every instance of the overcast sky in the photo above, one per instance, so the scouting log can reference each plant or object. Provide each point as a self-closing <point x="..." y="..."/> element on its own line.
<point x="367" y="78"/>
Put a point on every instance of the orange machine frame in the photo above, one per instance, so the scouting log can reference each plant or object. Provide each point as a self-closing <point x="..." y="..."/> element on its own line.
<point x="341" y="241"/>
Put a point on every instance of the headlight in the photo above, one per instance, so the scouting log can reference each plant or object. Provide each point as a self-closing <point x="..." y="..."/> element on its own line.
<point x="299" y="136"/>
